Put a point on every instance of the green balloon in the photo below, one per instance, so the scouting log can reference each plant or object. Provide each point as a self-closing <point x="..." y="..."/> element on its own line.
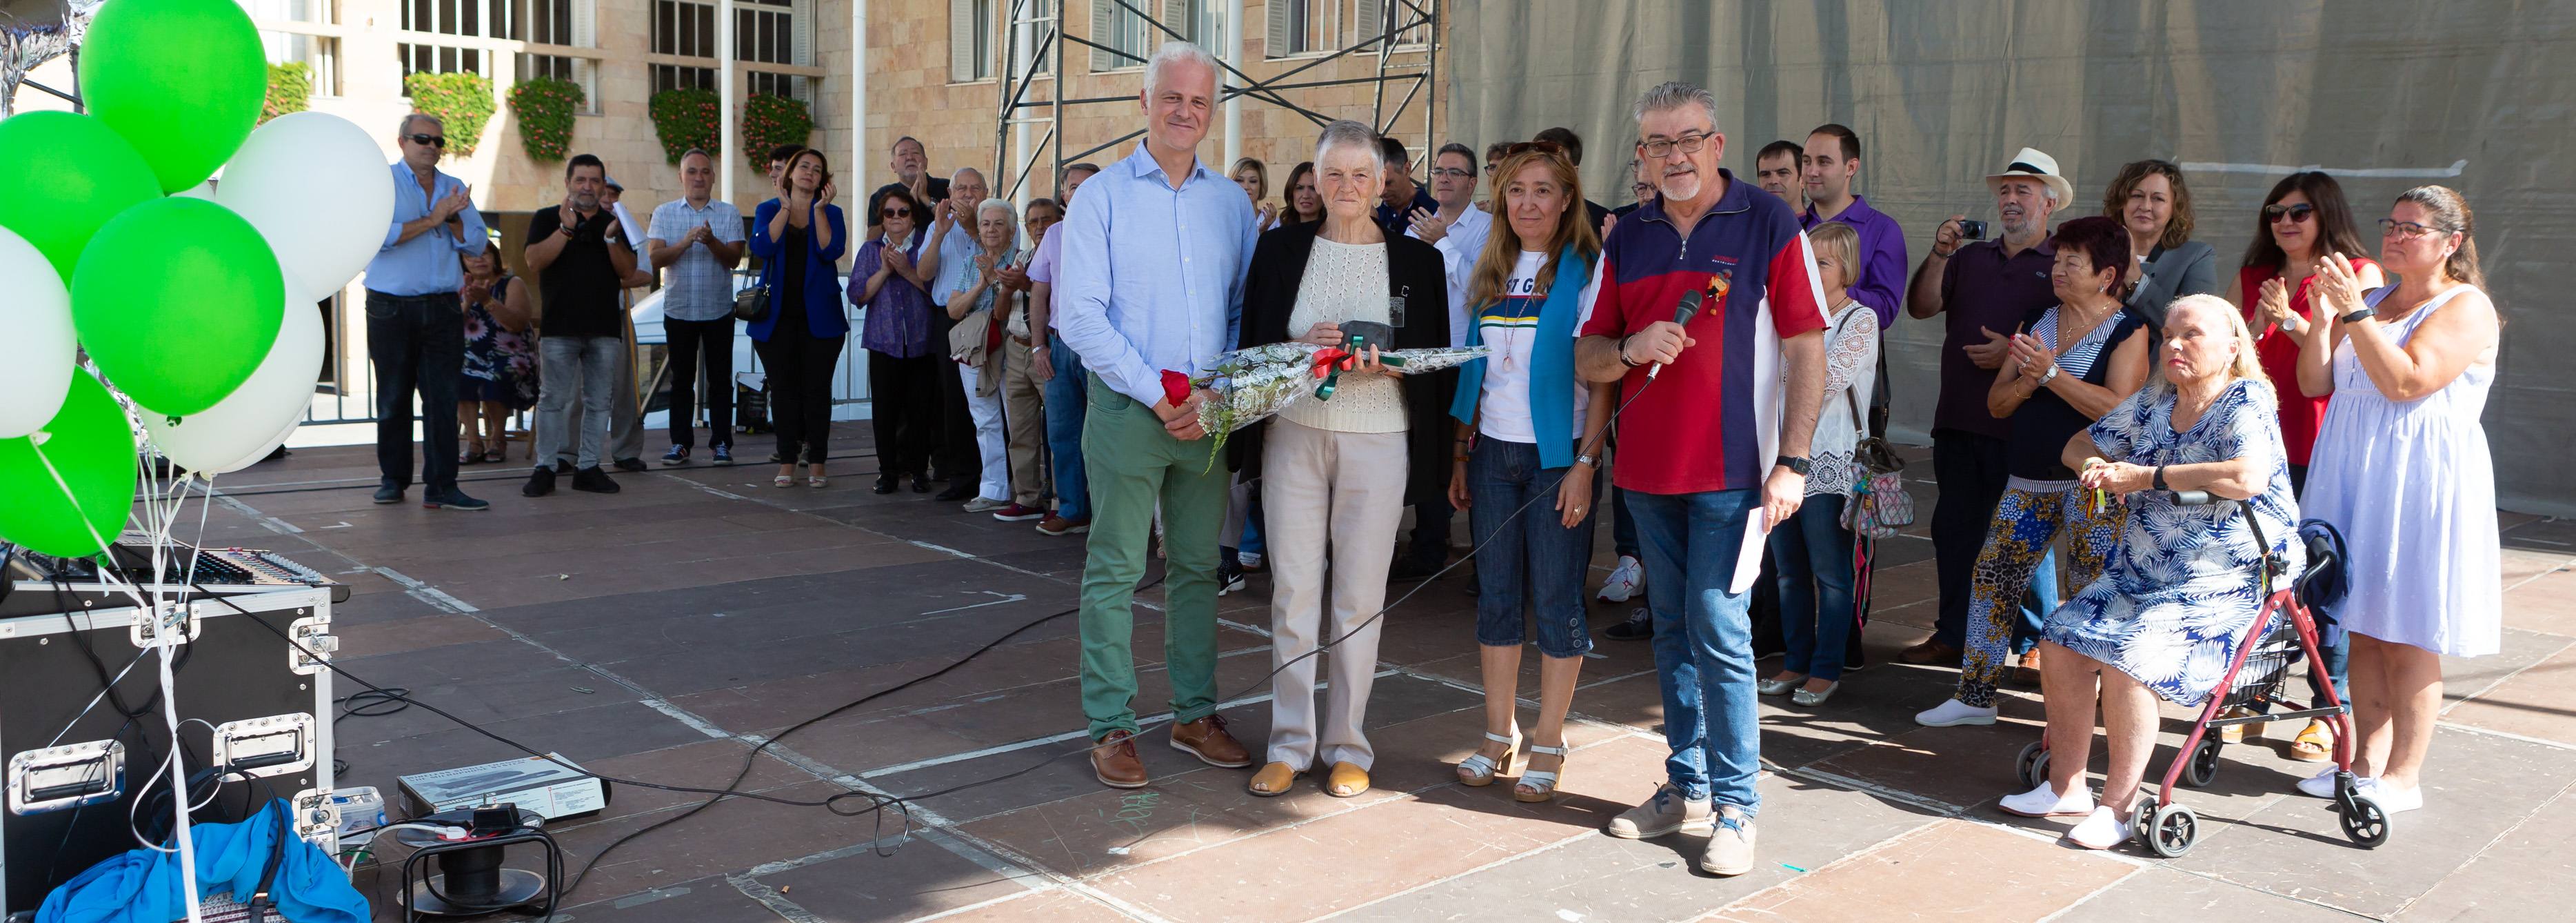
<point x="183" y="80"/>
<point x="91" y="447"/>
<point x="178" y="301"/>
<point x="66" y="175"/>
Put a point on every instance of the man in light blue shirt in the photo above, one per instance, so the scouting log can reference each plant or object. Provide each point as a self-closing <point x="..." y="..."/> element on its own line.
<point x="415" y="327"/>
<point x="950" y="263"/>
<point x="1162" y="292"/>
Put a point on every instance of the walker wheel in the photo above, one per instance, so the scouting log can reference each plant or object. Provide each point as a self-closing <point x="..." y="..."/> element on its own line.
<point x="2364" y="820"/>
<point x="2033" y="765"/>
<point x="2203" y="765"/>
<point x="2171" y="829"/>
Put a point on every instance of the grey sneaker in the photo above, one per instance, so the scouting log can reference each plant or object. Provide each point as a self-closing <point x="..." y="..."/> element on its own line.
<point x="1730" y="847"/>
<point x="1667" y="812"/>
<point x="985" y="505"/>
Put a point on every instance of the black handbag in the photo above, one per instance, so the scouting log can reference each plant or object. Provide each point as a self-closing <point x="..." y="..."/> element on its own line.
<point x="751" y="304"/>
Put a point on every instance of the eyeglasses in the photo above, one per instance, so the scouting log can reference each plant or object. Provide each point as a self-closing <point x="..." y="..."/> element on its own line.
<point x="2391" y="227"/>
<point x="897" y="213"/>
<point x="1453" y="172"/>
<point x="428" y="140"/>
<point x="2296" y="213"/>
<point x="1687" y="144"/>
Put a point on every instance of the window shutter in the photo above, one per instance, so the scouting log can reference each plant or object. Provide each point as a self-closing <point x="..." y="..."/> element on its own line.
<point x="1276" y="43"/>
<point x="1180" y="16"/>
<point x="802" y="30"/>
<point x="961" y="40"/>
<point x="1103" y="32"/>
<point x="1372" y="21"/>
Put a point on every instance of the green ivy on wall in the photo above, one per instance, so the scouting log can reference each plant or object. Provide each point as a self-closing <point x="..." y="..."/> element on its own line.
<point x="290" y="89"/>
<point x="685" y="119"/>
<point x="461" y="101"/>
<point x="545" y="107"/>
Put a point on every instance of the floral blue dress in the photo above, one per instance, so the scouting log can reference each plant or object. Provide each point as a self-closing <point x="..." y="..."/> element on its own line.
<point x="2177" y="596"/>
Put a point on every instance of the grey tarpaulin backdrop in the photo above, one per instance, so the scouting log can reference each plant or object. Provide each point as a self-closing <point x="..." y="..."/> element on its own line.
<point x="2480" y="96"/>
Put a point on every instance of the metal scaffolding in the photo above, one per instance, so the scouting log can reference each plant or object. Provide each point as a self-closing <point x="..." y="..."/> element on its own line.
<point x="1035" y="43"/>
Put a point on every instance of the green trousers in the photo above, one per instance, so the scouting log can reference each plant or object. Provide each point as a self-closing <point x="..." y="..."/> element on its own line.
<point x="1131" y="462"/>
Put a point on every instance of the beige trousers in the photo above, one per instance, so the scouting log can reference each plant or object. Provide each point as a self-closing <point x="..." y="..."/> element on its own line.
<point x="1024" y="424"/>
<point x="1346" y="489"/>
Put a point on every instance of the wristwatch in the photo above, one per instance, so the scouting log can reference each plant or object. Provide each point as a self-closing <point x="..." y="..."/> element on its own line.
<point x="1797" y="464"/>
<point x="2356" y="315"/>
<point x="2049" y="377"/>
<point x="2160" y="478"/>
<point x="1593" y="460"/>
<point x="1623" y="351"/>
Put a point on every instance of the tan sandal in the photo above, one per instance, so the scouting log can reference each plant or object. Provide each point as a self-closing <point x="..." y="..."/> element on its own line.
<point x="1479" y="770"/>
<point x="2315" y="743"/>
<point x="1274" y="780"/>
<point x="1347" y="780"/>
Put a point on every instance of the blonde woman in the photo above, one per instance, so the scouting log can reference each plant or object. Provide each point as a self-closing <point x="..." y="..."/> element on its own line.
<point x="1254" y="177"/>
<point x="1529" y="433"/>
<point x="1812" y="549"/>
<point x="2177" y="594"/>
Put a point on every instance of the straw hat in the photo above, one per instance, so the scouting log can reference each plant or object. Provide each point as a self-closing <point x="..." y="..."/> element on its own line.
<point x="2036" y="164"/>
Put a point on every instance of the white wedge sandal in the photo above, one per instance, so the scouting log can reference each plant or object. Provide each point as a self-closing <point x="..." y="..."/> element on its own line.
<point x="1534" y="786"/>
<point x="1478" y="770"/>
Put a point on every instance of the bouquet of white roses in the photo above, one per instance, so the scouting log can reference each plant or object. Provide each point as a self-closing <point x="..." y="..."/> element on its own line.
<point x="1252" y="384"/>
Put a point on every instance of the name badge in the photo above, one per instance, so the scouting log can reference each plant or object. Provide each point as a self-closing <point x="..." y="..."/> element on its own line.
<point x="1395" y="306"/>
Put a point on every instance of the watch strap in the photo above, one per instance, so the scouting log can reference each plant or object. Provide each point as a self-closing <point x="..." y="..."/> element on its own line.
<point x="2357" y="314"/>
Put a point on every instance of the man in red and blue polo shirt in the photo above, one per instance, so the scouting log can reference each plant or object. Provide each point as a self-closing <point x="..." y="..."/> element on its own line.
<point x="1718" y="435"/>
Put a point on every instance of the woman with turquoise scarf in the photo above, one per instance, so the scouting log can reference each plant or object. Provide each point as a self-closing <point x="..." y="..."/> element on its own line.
<point x="1529" y="436"/>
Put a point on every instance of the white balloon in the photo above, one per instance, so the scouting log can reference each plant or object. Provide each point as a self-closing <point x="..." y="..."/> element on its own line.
<point x="244" y="426"/>
<point x="318" y="189"/>
<point x="36" y="340"/>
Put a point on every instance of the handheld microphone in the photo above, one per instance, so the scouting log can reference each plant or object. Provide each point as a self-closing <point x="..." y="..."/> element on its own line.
<point x="1682" y="314"/>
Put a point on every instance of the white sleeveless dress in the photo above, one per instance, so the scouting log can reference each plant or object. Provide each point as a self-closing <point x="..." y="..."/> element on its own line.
<point x="2412" y="489"/>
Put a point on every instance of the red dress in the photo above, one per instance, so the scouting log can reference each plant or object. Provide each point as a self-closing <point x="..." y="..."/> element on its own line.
<point x="2301" y="415"/>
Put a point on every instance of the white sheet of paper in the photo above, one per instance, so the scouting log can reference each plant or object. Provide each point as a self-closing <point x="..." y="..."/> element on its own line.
<point x="1748" y="556"/>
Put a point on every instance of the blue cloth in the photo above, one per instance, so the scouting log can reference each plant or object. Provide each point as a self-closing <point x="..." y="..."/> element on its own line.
<point x="956" y="262"/>
<point x="1165" y="291"/>
<point x="144" y="886"/>
<point x="2176" y="597"/>
<point x="1703" y="640"/>
<point x="824" y="317"/>
<point x="1064" y="405"/>
<point x="1398" y="219"/>
<point x="1501" y="476"/>
<point x="1814" y="553"/>
<point x="1551" y="361"/>
<point x="425" y="264"/>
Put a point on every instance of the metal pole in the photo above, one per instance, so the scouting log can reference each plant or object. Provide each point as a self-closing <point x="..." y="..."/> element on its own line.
<point x="728" y="115"/>
<point x="859" y="99"/>
<point x="1021" y="58"/>
<point x="1233" y="56"/>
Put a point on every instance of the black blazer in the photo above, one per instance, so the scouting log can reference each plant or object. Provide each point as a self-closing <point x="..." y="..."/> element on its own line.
<point x="1414" y="271"/>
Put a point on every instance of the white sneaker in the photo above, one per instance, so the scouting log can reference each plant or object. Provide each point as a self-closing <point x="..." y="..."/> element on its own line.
<point x="1952" y="713"/>
<point x="2044" y="801"/>
<point x="1624" y="580"/>
<point x="2100" y="830"/>
<point x="2393" y="799"/>
<point x="2322" y="785"/>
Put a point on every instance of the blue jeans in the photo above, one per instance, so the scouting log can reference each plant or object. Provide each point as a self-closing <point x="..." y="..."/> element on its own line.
<point x="1703" y="640"/>
<point x="1814" y="553"/>
<point x="1501" y="476"/>
<point x="1064" y="407"/>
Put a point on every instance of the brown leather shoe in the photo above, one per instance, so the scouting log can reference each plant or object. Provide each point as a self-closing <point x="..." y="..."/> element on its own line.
<point x="1930" y="653"/>
<point x="2026" y="672"/>
<point x="1115" y="763"/>
<point x="1346" y="780"/>
<point x="1206" y="739"/>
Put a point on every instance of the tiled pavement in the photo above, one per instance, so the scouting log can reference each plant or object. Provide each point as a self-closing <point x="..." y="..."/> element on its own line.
<point x="659" y="633"/>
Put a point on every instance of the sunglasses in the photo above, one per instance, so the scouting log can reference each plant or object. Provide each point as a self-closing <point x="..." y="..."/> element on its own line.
<point x="898" y="213"/>
<point x="428" y="140"/>
<point x="2296" y="213"/>
<point x="2391" y="227"/>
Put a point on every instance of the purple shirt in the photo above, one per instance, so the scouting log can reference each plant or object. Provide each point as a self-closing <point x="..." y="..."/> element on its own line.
<point x="1042" y="269"/>
<point x="1881" y="282"/>
<point x="898" y="318"/>
<point x="1982" y="289"/>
